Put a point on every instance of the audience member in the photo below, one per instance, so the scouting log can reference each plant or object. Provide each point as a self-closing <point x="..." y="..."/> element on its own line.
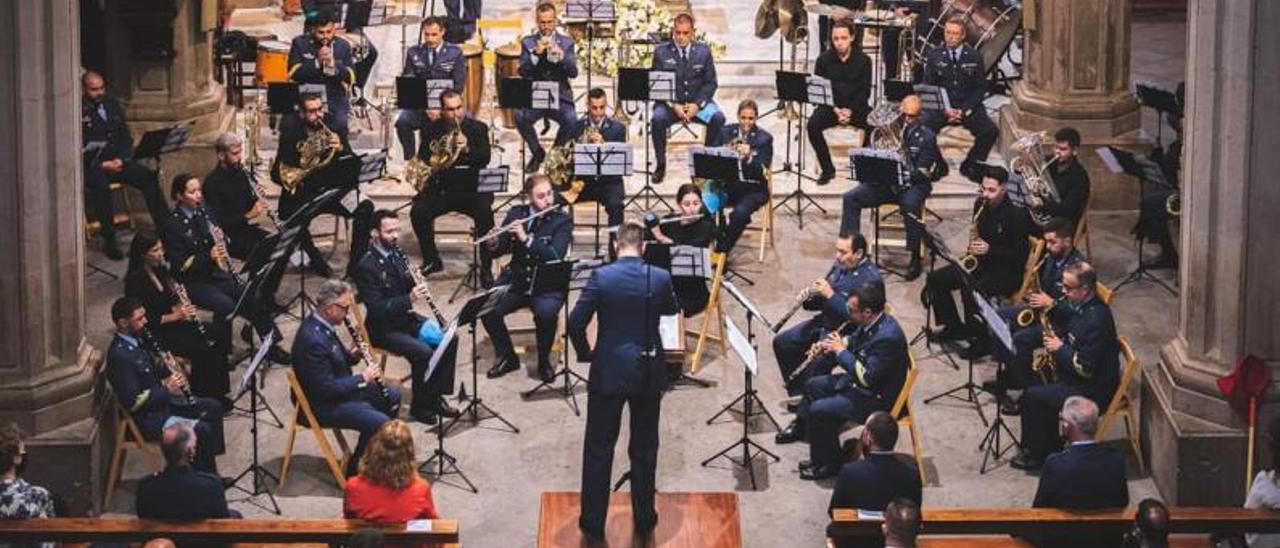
<point x="876" y="480"/>
<point x="19" y="499"/>
<point x="1265" y="492"/>
<point x="180" y="492"/>
<point x="901" y="524"/>
<point x="1150" y="526"/>
<point x="1084" y="475"/>
<point x="388" y="488"/>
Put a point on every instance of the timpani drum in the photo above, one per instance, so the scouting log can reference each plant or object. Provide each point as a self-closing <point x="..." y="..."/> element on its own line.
<point x="272" y="62"/>
<point x="990" y="26"/>
<point x="508" y="67"/>
<point x="473" y="89"/>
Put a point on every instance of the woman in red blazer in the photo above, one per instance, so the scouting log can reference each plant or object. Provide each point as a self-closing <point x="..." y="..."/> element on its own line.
<point x="388" y="488"/>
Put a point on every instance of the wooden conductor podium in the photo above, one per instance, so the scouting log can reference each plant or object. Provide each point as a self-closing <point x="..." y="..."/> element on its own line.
<point x="708" y="520"/>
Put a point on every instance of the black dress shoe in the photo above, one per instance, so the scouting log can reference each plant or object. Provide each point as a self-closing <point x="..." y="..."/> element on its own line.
<point x="914" y="269"/>
<point x="280" y="356"/>
<point x="947" y="333"/>
<point x="535" y="161"/>
<point x="825" y="177"/>
<point x="659" y="173"/>
<point x="791" y="434"/>
<point x="432" y="267"/>
<point x="1009" y="406"/>
<point x="546" y="373"/>
<point x="818" y="472"/>
<point x="992" y="386"/>
<point x="445" y="410"/>
<point x="793" y="406"/>
<point x="112" y="250"/>
<point x="504" y="366"/>
<point x="425" y="417"/>
<point x="1026" y="461"/>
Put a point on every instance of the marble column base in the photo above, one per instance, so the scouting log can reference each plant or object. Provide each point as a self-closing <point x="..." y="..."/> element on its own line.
<point x="73" y="463"/>
<point x="53" y="399"/>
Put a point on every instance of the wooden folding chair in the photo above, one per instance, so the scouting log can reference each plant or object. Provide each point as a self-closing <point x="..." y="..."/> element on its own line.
<point x="1106" y="294"/>
<point x="304" y="417"/>
<point x="1121" y="406"/>
<point x="1081" y="238"/>
<point x="713" y="312"/>
<point x="902" y="412"/>
<point x="128" y="436"/>
<point x="765" y="226"/>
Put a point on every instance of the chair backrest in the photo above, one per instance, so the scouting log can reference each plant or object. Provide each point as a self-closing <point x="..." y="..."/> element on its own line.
<point x="1126" y="377"/>
<point x="300" y="402"/>
<point x="1105" y="293"/>
<point x="900" y="406"/>
<point x="1029" y="274"/>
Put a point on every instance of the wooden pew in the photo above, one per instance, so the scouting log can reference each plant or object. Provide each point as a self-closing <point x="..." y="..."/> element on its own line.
<point x="284" y="531"/>
<point x="1040" y="521"/>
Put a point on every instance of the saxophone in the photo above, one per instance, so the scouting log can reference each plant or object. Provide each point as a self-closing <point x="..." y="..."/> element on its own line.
<point x="1043" y="365"/>
<point x="969" y="262"/>
<point x="444" y="153"/>
<point x="1028" y="315"/>
<point x="314" y="152"/>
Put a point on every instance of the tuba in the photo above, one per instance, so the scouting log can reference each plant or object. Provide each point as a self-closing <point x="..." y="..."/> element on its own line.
<point x="1029" y="162"/>
<point x="314" y="152"/>
<point x="445" y="152"/>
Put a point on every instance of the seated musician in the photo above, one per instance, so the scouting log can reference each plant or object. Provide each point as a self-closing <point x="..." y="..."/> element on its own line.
<point x="463" y="15"/>
<point x="1084" y="359"/>
<point x="433" y="59"/>
<point x="299" y="131"/>
<point x="239" y="208"/>
<point x="957" y="67"/>
<point x="695" y="90"/>
<point x="544" y="239"/>
<point x="316" y="57"/>
<point x="196" y="247"/>
<point x="849" y="70"/>
<point x="174" y="322"/>
<point x="108" y="158"/>
<point x="454" y="189"/>
<point x="547" y="56"/>
<point x="1068" y="177"/>
<point x="756" y="147"/>
<point x="1083" y="476"/>
<point x="1159" y="201"/>
<point x="323" y="366"/>
<point x="1046" y="299"/>
<point x="386" y="286"/>
<point x="694" y="228"/>
<point x="874" y="359"/>
<point x="998" y="247"/>
<point x="922" y="166"/>
<point x="152" y="393"/>
<point x="609" y="191"/>
<point x="828" y="296"/>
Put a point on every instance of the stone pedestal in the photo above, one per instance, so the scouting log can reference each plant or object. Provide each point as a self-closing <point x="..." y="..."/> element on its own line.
<point x="1229" y="256"/>
<point x="1076" y="73"/>
<point x="46" y="366"/>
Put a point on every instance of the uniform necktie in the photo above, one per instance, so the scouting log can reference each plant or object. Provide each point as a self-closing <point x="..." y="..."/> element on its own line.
<point x="431" y="57"/>
<point x="684" y="54"/>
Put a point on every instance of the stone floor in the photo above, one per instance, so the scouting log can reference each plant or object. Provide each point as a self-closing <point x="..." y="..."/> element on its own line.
<point x="512" y="469"/>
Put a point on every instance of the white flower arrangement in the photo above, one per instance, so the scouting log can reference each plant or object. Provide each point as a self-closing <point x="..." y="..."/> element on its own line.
<point x="636" y="19"/>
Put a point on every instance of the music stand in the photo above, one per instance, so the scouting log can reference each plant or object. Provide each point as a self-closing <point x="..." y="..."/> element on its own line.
<point x="411" y="93"/>
<point x="301" y="219"/>
<point x="745" y="347"/>
<point x="595" y="161"/>
<point x="593" y="12"/>
<point x="488" y="181"/>
<point x="515" y="94"/>
<point x="255" y="469"/>
<point x="937" y="249"/>
<point x="643" y="85"/>
<point x="998" y="330"/>
<point x="932" y="97"/>
<point x="282" y="98"/>
<point x="548" y="277"/>
<point x="969" y="388"/>
<point x="794" y="87"/>
<point x="1160" y="100"/>
<point x="476" y="306"/>
<point x="684" y="261"/>
<point x="722" y="165"/>
<point x="1144" y="170"/>
<point x="876" y="167"/>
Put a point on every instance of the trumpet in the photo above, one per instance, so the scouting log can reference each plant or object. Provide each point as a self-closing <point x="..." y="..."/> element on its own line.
<point x="170" y="363"/>
<point x="969" y="262"/>
<point x="547" y="41"/>
<point x="366" y="356"/>
<point x="812" y="354"/>
<point x="804" y="295"/>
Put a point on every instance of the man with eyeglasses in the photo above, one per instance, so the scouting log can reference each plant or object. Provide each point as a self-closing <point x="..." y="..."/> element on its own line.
<point x="1084" y="360"/>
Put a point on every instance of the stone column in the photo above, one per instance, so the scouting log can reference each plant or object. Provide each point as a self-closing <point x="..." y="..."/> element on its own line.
<point x="1229" y="256"/>
<point x="1076" y="73"/>
<point x="46" y="365"/>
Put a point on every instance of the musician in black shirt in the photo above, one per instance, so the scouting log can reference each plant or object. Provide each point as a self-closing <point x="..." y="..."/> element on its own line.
<point x="1069" y="177"/>
<point x="239" y="210"/>
<point x="691" y="293"/>
<point x="849" y="70"/>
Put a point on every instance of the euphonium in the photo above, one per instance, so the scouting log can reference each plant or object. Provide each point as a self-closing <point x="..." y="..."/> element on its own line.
<point x="969" y="262"/>
<point x="314" y="152"/>
<point x="445" y="152"/>
<point x="559" y="164"/>
<point x="1029" y="162"/>
<point x="886" y="121"/>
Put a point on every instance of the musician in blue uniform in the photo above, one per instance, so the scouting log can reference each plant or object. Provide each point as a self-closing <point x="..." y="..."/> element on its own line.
<point x="828" y="296"/>
<point x="745" y="197"/>
<point x="542" y="240"/>
<point x="317" y="58"/>
<point x="203" y="263"/>
<point x="433" y="59"/>
<point x="1085" y="361"/>
<point x="108" y="158"/>
<point x="386" y="288"/>
<point x="626" y="296"/>
<point x="957" y="66"/>
<point x="151" y="393"/>
<point x="849" y="70"/>
<point x="339" y="398"/>
<point x="546" y="56"/>
<point x="922" y="165"/>
<point x="463" y="15"/>
<point x="608" y="190"/>
<point x="1060" y="253"/>
<point x="695" y="89"/>
<point x="875" y="362"/>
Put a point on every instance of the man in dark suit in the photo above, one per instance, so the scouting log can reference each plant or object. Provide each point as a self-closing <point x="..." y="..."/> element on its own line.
<point x="957" y="66"/>
<point x="387" y="288"/>
<point x="849" y="70"/>
<point x="744" y="198"/>
<point x="609" y="190"/>
<point x="462" y="19"/>
<point x="433" y="59"/>
<point x="828" y="296"/>
<point x="874" y="359"/>
<point x="180" y="492"/>
<point x="296" y="128"/>
<point x="323" y="365"/>
<point x="151" y="393"/>
<point x="108" y="157"/>
<point x="316" y="57"/>
<point x="695" y="90"/>
<point x="877" y="479"/>
<point x="546" y="56"/>
<point x="626" y="369"/>
<point x="1084" y="475"/>
<point x="543" y="240"/>
<point x="454" y="189"/>
<point x="1085" y="359"/>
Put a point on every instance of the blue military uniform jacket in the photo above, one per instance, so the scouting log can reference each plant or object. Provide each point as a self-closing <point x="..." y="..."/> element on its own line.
<point x="835" y="310"/>
<point x="105" y="123"/>
<point x="695" y="77"/>
<point x="181" y="493"/>
<point x="1051" y="282"/>
<point x="323" y="366"/>
<point x="876" y="360"/>
<point x="964" y="80"/>
<point x="304" y="67"/>
<point x="629" y="295"/>
<point x="466" y="21"/>
<point x="922" y="147"/>
<point x="537" y="67"/>
<point x="187" y="244"/>
<point x="131" y="370"/>
<point x="448" y="63"/>
<point x="761" y="143"/>
<point x="549" y="241"/>
<point x="1084" y="476"/>
<point x="873" y="482"/>
<point x="1089" y="357"/>
<point x="384" y="285"/>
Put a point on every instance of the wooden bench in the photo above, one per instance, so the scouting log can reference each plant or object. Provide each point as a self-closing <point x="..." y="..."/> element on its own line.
<point x="289" y="531"/>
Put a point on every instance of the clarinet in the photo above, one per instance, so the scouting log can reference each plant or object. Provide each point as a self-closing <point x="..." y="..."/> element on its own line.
<point x="419" y="280"/>
<point x="170" y="362"/>
<point x="261" y="195"/>
<point x="184" y="300"/>
<point x="367" y="358"/>
<point x="220" y="238"/>
<point x="804" y="295"/>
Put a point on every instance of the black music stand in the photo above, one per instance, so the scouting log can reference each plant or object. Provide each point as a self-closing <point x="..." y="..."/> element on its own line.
<point x="937" y="249"/>
<point x="411" y="93"/>
<point x="555" y="276"/>
<point x="1160" y="100"/>
<point x="998" y="330"/>
<point x="593" y="12"/>
<point x="683" y="261"/>
<point x="969" y="388"/>
<point x="724" y="167"/>
<point x="95" y="148"/>
<point x="794" y="87"/>
<point x="475" y="307"/>
<point x="515" y="94"/>
<point x="875" y="167"/>
<point x="158" y="142"/>
<point x="1143" y="170"/>
<point x="488" y="181"/>
<point x="301" y="219"/>
<point x="255" y="470"/>
<point x="594" y="161"/>
<point x="636" y="84"/>
<point x="746" y="350"/>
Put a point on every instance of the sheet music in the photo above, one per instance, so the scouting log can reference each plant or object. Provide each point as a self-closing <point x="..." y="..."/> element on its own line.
<point x="819" y="89"/>
<point x="1109" y="160"/>
<point x="492" y="179"/>
<point x="740" y="345"/>
<point x="995" y="323"/>
<point x="689" y="261"/>
<point x="371" y="166"/>
<point x="246" y="380"/>
<point x="435" y="87"/>
<point x="615" y="159"/>
<point x="933" y="97"/>
<point x="662" y="85"/>
<point x="545" y="94"/>
<point x="449" y="334"/>
<point x="669" y="329"/>
<point x="590" y="10"/>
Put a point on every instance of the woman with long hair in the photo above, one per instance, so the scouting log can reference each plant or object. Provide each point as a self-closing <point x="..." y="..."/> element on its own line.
<point x="689" y="230"/>
<point x="388" y="488"/>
